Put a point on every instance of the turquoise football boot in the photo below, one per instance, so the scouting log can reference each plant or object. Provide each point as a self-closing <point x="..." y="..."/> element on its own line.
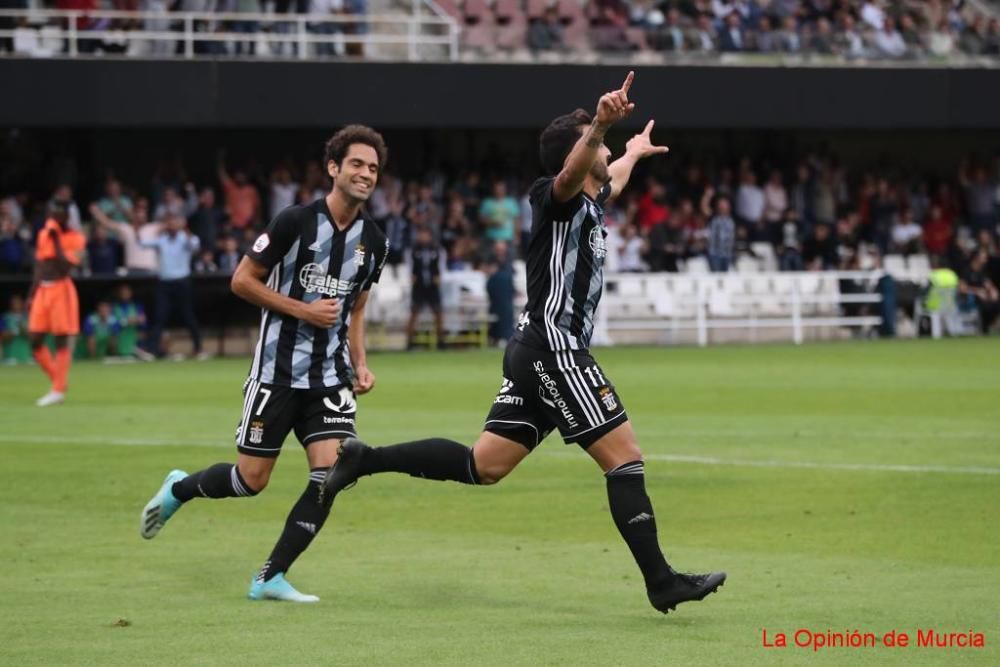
<point x="161" y="507"/>
<point x="277" y="588"/>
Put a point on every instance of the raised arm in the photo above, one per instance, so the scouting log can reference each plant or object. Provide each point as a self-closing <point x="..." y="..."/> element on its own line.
<point x="103" y="220"/>
<point x="611" y="108"/>
<point x="638" y="147"/>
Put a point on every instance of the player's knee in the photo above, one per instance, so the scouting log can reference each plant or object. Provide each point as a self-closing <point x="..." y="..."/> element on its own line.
<point x="256" y="479"/>
<point x="491" y="473"/>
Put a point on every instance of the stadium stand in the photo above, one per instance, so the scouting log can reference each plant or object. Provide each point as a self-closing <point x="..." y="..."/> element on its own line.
<point x="745" y="31"/>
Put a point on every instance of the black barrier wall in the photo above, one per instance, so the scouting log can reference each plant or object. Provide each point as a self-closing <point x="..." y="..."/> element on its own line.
<point x="106" y="93"/>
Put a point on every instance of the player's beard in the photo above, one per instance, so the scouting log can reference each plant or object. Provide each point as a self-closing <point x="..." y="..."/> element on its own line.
<point x="599" y="172"/>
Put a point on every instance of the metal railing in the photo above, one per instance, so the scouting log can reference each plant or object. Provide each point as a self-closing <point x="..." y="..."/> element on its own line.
<point x="670" y="303"/>
<point x="425" y="33"/>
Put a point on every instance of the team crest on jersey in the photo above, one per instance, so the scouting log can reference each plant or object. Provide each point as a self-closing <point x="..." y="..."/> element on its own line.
<point x="256" y="435"/>
<point x="597" y="242"/>
<point x="314" y="278"/>
<point x="359" y="256"/>
<point x="608" y="398"/>
<point x="523" y="321"/>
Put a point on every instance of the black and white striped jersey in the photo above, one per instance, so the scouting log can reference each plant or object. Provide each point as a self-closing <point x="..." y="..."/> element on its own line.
<point x="310" y="259"/>
<point x="426" y="265"/>
<point x="565" y="269"/>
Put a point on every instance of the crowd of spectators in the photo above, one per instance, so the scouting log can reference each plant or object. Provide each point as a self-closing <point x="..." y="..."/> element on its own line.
<point x="815" y="214"/>
<point x="853" y="29"/>
<point x="330" y="18"/>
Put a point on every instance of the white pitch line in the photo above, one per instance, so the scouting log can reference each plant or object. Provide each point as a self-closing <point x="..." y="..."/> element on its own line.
<point x="673" y="458"/>
<point x="868" y="467"/>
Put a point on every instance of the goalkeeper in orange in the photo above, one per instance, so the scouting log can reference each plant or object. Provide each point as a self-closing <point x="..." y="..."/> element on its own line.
<point x="55" y="308"/>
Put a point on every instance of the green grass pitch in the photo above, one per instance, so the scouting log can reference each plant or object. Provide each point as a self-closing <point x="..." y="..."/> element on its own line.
<point x="842" y="486"/>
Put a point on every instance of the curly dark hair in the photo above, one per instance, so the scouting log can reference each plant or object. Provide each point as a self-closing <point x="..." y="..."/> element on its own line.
<point x="339" y="143"/>
<point x="558" y="139"/>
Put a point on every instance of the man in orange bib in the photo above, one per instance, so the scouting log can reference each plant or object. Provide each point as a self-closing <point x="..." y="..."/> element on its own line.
<point x="55" y="308"/>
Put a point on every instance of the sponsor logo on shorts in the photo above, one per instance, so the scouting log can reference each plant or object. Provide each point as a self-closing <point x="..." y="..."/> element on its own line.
<point x="337" y="420"/>
<point x="343" y="403"/>
<point x="256" y="435"/>
<point x="608" y="398"/>
<point x="261" y="243"/>
<point x="314" y="279"/>
<point x="549" y="394"/>
<point x="505" y="397"/>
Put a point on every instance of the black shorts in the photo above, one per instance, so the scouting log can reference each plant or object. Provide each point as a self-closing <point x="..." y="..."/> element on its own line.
<point x="429" y="296"/>
<point x="544" y="390"/>
<point x="271" y="411"/>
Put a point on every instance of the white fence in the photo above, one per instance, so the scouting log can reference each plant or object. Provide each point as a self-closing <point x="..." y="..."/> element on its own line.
<point x="425" y="32"/>
<point x="665" y="308"/>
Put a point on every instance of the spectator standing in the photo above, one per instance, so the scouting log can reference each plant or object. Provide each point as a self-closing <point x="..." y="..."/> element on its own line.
<point x="937" y="232"/>
<point x="139" y="260"/>
<point x="426" y="262"/>
<point x="283" y="190"/>
<point x="979" y="291"/>
<point x="242" y="199"/>
<point x="979" y="196"/>
<point x="790" y="249"/>
<point x="652" y="208"/>
<point x="750" y="201"/>
<point x="722" y="237"/>
<point x="207" y="219"/>
<point x="102" y="252"/>
<point x="775" y="203"/>
<point x="498" y="213"/>
<point x="176" y="248"/>
<point x="906" y="234"/>
<point x="115" y="204"/>
<point x="13" y="253"/>
<point x="229" y="256"/>
<point x="500" y="291"/>
<point x="454" y="228"/>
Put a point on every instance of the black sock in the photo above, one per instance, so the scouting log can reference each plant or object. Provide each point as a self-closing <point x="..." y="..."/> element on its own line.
<point x="223" y="480"/>
<point x="434" y="458"/>
<point x="301" y="526"/>
<point x="633" y="515"/>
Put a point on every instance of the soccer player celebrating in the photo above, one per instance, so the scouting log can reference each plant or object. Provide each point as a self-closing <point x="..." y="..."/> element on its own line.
<point x="550" y="379"/>
<point x="310" y="272"/>
<point x="55" y="307"/>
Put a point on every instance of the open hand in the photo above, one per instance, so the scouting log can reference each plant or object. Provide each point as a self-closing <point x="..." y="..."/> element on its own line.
<point x="641" y="145"/>
<point x="614" y="106"/>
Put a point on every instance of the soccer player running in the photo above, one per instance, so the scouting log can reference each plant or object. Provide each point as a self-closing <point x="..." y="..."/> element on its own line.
<point x="310" y="272"/>
<point x="550" y="379"/>
<point x="55" y="307"/>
